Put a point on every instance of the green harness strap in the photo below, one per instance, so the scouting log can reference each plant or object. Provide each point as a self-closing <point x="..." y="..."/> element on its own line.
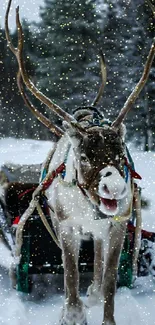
<point x="125" y="265"/>
<point x="23" y="267"/>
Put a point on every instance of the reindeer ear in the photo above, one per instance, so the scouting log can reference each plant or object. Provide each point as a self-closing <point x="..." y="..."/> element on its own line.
<point x="74" y="128"/>
<point x="73" y="133"/>
<point x="68" y="128"/>
<point x="122" y="131"/>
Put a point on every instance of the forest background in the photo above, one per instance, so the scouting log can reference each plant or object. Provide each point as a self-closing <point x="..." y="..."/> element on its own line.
<point x="62" y="57"/>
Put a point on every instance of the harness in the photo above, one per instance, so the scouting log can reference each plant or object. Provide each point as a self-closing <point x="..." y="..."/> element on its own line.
<point x="97" y="120"/>
<point x="48" y="178"/>
<point x="61" y="170"/>
<point x="128" y="168"/>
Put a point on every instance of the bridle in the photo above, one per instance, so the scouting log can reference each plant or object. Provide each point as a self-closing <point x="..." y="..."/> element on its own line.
<point x="86" y="185"/>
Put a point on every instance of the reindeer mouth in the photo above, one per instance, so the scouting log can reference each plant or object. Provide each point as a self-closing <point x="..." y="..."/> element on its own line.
<point x="110" y="205"/>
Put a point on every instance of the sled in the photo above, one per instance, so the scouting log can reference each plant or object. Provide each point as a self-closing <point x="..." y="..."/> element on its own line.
<point x="39" y="253"/>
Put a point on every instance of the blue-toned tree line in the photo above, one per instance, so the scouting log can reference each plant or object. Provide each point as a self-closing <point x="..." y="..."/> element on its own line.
<point x="62" y="57"/>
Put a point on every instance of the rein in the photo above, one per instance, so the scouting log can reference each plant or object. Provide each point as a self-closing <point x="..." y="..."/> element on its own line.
<point x="49" y="180"/>
<point x="34" y="204"/>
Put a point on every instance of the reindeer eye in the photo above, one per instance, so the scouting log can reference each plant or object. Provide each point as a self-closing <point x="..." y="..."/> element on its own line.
<point x="117" y="158"/>
<point x="84" y="158"/>
<point x="122" y="162"/>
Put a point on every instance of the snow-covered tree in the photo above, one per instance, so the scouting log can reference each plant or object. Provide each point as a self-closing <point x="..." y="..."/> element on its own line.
<point x="13" y="112"/>
<point x="69" y="42"/>
<point x="141" y="118"/>
<point x="127" y="34"/>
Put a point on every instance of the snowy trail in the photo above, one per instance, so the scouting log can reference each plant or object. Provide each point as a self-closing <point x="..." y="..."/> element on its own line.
<point x="129" y="310"/>
<point x="132" y="307"/>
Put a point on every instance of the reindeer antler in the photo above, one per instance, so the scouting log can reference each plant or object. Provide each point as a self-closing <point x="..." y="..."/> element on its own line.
<point x="135" y="93"/>
<point x="53" y="128"/>
<point x="104" y="79"/>
<point x="152" y="7"/>
<point x="18" y="52"/>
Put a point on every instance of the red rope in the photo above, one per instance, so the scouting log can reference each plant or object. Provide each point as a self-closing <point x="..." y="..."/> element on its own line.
<point x="132" y="172"/>
<point x="55" y="173"/>
<point x="25" y="192"/>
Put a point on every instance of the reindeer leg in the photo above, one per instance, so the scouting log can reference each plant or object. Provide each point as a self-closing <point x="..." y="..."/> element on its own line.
<point x="73" y="311"/>
<point x="13" y="275"/>
<point x="116" y="240"/>
<point x="94" y="290"/>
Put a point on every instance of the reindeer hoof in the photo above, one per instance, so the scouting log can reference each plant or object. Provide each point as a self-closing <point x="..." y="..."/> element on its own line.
<point x="108" y="322"/>
<point x="94" y="296"/>
<point x="64" y="323"/>
<point x="73" y="315"/>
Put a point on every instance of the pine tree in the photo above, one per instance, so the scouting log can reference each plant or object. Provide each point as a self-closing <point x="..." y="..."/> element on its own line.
<point x="128" y="34"/>
<point x="118" y="46"/>
<point x="69" y="41"/>
<point x="12" y="109"/>
<point x="142" y="116"/>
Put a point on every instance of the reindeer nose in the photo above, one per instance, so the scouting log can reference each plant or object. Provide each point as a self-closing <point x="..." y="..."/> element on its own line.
<point x="124" y="190"/>
<point x="112" y="185"/>
<point x="105" y="189"/>
<point x="108" y="174"/>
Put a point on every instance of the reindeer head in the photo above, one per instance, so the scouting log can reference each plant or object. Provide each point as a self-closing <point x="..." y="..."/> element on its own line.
<point x="99" y="162"/>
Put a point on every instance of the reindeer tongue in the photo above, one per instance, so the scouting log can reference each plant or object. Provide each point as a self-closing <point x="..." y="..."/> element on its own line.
<point x="110" y="204"/>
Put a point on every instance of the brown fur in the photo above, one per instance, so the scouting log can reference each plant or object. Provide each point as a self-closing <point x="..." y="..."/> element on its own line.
<point x="101" y="147"/>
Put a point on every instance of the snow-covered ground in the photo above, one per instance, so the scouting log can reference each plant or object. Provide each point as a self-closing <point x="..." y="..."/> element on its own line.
<point x="132" y="307"/>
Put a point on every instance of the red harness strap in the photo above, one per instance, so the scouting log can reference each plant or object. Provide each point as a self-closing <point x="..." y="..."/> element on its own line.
<point x="17" y="218"/>
<point x="54" y="174"/>
<point x="46" y="184"/>
<point x="132" y="172"/>
<point x="144" y="233"/>
<point x="27" y="191"/>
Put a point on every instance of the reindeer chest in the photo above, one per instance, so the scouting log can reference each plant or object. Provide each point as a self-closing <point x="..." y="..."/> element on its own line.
<point x="72" y="208"/>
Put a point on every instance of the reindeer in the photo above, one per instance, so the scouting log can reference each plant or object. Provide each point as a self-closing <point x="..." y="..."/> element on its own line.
<point x="91" y="186"/>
